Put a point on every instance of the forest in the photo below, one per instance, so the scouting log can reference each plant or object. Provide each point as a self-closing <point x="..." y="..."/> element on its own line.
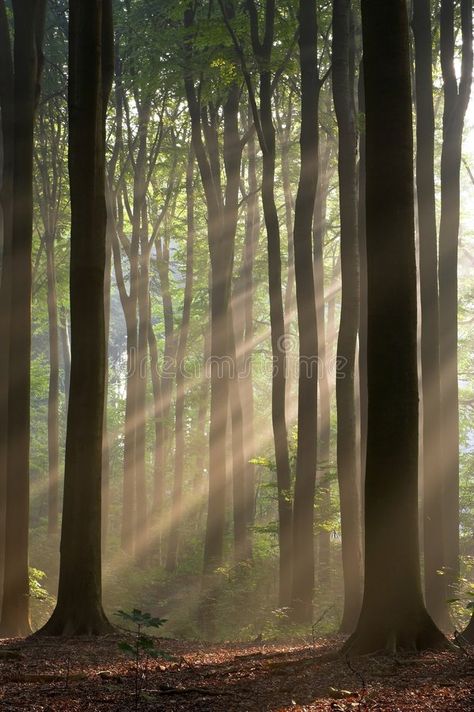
<point x="236" y="355"/>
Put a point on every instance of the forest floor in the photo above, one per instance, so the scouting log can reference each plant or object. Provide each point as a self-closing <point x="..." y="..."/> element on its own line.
<point x="51" y="675"/>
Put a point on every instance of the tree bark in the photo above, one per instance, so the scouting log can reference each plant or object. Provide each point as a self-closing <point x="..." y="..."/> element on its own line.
<point x="305" y="480"/>
<point x="456" y="100"/>
<point x="436" y="593"/>
<point x="263" y="119"/>
<point x="53" y="390"/>
<point x="343" y="80"/>
<point x="323" y="475"/>
<point x="222" y="210"/>
<point x="79" y="606"/>
<point x="393" y="614"/>
<point x="177" y="504"/>
<point x="27" y="58"/>
<point x="6" y="207"/>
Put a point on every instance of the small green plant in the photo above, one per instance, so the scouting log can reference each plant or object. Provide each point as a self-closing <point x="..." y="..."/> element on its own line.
<point x="42" y="602"/>
<point x="143" y="646"/>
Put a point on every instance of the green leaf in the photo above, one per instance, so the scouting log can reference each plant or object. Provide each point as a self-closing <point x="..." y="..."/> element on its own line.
<point x="145" y="642"/>
<point x="126" y="648"/>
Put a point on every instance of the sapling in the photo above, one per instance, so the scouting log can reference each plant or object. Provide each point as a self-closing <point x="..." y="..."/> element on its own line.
<point x="144" y="645"/>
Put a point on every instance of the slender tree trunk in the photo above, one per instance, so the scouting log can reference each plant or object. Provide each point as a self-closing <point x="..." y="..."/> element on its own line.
<point x="199" y="481"/>
<point x="28" y="26"/>
<point x="177" y="504"/>
<point x="139" y="234"/>
<point x="393" y="614"/>
<point x="436" y="593"/>
<point x="456" y="100"/>
<point x="222" y="211"/>
<point x="263" y="119"/>
<point x="305" y="481"/>
<point x="252" y="229"/>
<point x="105" y="433"/>
<point x="323" y="478"/>
<point x="158" y="455"/>
<point x="79" y="606"/>
<point x="343" y="81"/>
<point x="129" y="513"/>
<point x="53" y="391"/>
<point x="66" y="354"/>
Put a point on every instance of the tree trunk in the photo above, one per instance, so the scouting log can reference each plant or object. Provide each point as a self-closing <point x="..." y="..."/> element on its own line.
<point x="323" y="475"/>
<point x="393" y="613"/>
<point x="436" y="593"/>
<point x="343" y="81"/>
<point x="263" y="119"/>
<point x="456" y="100"/>
<point x="105" y="433"/>
<point x="468" y="634"/>
<point x="243" y="310"/>
<point x="177" y="504"/>
<point x="6" y="206"/>
<point x="65" y="352"/>
<point x="53" y="391"/>
<point x="140" y="236"/>
<point x="28" y="27"/>
<point x="222" y="211"/>
<point x="305" y="481"/>
<point x="158" y="455"/>
<point x="362" y="228"/>
<point x="79" y="606"/>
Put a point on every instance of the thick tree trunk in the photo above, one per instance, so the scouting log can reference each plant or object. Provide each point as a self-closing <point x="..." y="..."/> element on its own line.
<point x="6" y="206"/>
<point x="456" y="99"/>
<point x="343" y="81"/>
<point x="177" y="503"/>
<point x="79" y="605"/>
<point x="305" y="481"/>
<point x="362" y="229"/>
<point x="393" y="613"/>
<point x="436" y="593"/>
<point x="28" y="26"/>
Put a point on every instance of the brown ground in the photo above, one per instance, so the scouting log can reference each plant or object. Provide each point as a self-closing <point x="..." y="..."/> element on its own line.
<point x="51" y="675"/>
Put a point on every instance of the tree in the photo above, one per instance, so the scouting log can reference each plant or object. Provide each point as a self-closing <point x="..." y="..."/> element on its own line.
<point x="222" y="211"/>
<point x="456" y="100"/>
<point x="79" y="607"/>
<point x="343" y="83"/>
<point x="6" y="205"/>
<point x="177" y="506"/>
<point x="49" y="162"/>
<point x="28" y="21"/>
<point x="305" y="480"/>
<point x="433" y="526"/>
<point x="265" y="130"/>
<point x="393" y="614"/>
